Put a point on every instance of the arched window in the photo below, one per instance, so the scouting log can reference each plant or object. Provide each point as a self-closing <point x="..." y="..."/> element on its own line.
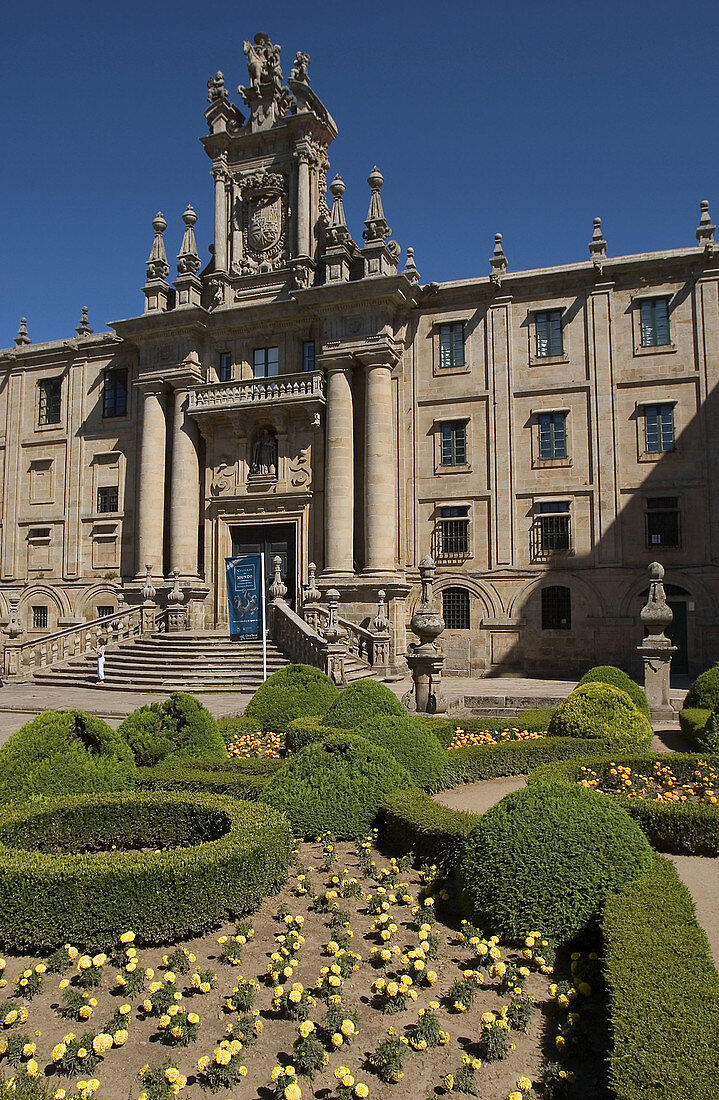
<point x="556" y="608"/>
<point x="455" y="608"/>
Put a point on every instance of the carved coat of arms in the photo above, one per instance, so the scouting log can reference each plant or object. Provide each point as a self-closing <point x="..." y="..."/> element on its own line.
<point x="264" y="208"/>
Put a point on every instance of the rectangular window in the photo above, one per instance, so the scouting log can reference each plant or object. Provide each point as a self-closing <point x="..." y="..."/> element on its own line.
<point x="107" y="498"/>
<point x="266" y="362"/>
<point x="114" y="392"/>
<point x="556" y="608"/>
<point x="552" y="435"/>
<point x="455" y="608"/>
<point x="451" y="345"/>
<point x="50" y="390"/>
<point x="225" y="371"/>
<point x="39" y="617"/>
<point x="551" y="528"/>
<point x="105" y="612"/>
<point x="308" y="355"/>
<point x="663" y="528"/>
<point x="654" y="322"/>
<point x="454" y="443"/>
<point x="549" y="333"/>
<point x="454" y="530"/>
<point x="659" y="428"/>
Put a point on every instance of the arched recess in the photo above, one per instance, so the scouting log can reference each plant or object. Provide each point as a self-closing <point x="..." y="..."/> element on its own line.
<point x="85" y="603"/>
<point x="487" y="598"/>
<point x="57" y="602"/>
<point x="694" y="587"/>
<point x="591" y="595"/>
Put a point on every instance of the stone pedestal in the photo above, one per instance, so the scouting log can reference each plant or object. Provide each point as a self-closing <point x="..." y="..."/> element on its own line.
<point x="657" y="650"/>
<point x="426" y="660"/>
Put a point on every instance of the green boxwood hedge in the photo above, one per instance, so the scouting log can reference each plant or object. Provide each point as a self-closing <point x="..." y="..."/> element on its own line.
<point x="360" y="701"/>
<point x="411" y="821"/>
<point x="60" y="882"/>
<point x="477" y="762"/>
<point x="411" y="742"/>
<point x="601" y="710"/>
<point x="335" y="785"/>
<point x="236" y="725"/>
<point x="536" y="721"/>
<point x="685" y="828"/>
<point x="303" y="731"/>
<point x="179" y="727"/>
<point x="610" y="674"/>
<point x="545" y="858"/>
<point x="693" y="722"/>
<point x="704" y="692"/>
<point x="64" y="752"/>
<point x="291" y="692"/>
<point x="663" y="991"/>
<point x="238" y="777"/>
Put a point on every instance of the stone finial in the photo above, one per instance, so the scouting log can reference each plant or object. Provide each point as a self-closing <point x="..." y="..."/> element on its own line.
<point x="278" y="589"/>
<point x="656" y="615"/>
<point x="376" y="228"/>
<point x="410" y="268"/>
<point x="148" y="591"/>
<point x="83" y="329"/>
<point x="598" y="247"/>
<point x="332" y="631"/>
<point x="22" y="338"/>
<point x="312" y="593"/>
<point x="157" y="265"/>
<point x="705" y="229"/>
<point x="14" y="627"/>
<point x="299" y="71"/>
<point x="497" y="262"/>
<point x="380" y="621"/>
<point x="337" y="231"/>
<point x="188" y="260"/>
<point x="176" y="596"/>
<point x="216" y="88"/>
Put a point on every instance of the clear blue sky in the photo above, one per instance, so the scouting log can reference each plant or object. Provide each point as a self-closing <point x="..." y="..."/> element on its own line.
<point x="525" y="118"/>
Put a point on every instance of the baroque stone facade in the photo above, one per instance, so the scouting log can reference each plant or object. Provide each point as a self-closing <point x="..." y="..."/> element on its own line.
<point x="545" y="434"/>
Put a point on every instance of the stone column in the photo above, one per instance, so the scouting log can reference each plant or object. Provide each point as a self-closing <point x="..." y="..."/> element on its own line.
<point x="339" y="471"/>
<point x="151" y="502"/>
<point x="184" y="491"/>
<point x="380" y="509"/>
<point x="220" y="220"/>
<point x="303" y="203"/>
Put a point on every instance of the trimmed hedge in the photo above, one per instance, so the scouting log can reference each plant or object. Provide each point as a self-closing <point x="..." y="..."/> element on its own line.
<point x="335" y="786"/>
<point x="536" y="721"/>
<point x="610" y="674"/>
<point x="238" y="777"/>
<point x="411" y="821"/>
<point x="693" y="722"/>
<point x="477" y="762"/>
<point x="546" y="857"/>
<point x="179" y="727"/>
<point x="600" y="710"/>
<point x="704" y="692"/>
<point x="663" y="991"/>
<point x="362" y="700"/>
<point x="304" y="731"/>
<point x="411" y="742"/>
<point x="64" y="752"/>
<point x="236" y="725"/>
<point x="222" y="857"/>
<point x="291" y="692"/>
<point x="685" y="828"/>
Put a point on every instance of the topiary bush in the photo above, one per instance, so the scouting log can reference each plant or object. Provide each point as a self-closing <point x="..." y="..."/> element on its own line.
<point x="291" y="692"/>
<point x="546" y="857"/>
<point x="601" y="710"/>
<point x="610" y="674"/>
<point x="85" y="870"/>
<point x="411" y="742"/>
<point x="303" y="731"/>
<point x="694" y="722"/>
<point x="179" y="727"/>
<point x="335" y="785"/>
<point x="240" y="777"/>
<point x="704" y="692"/>
<point x="360" y="701"/>
<point x="64" y="752"/>
<point x="236" y="725"/>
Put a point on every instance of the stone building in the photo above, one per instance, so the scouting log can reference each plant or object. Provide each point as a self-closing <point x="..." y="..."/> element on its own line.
<point x="545" y="433"/>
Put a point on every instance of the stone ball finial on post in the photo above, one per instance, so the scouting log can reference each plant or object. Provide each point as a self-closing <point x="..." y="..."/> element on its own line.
<point x="278" y="589"/>
<point x="656" y="649"/>
<point x="426" y="660"/>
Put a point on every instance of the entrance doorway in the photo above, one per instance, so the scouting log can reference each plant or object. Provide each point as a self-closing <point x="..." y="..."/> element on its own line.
<point x="270" y="540"/>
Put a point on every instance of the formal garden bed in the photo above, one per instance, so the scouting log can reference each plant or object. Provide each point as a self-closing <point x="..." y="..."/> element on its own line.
<point x="163" y="935"/>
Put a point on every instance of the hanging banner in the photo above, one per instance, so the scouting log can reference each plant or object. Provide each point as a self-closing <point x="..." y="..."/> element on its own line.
<point x="245" y="595"/>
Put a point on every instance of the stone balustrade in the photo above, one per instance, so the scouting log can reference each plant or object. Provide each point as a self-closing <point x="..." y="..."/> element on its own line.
<point x="282" y="389"/>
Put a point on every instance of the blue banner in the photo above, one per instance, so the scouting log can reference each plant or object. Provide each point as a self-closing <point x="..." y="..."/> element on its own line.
<point x="244" y="595"/>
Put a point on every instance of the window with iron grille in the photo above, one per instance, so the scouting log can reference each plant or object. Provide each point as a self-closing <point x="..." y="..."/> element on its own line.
<point x="107" y="498"/>
<point x="556" y="608"/>
<point x="114" y="392"/>
<point x="654" y="322"/>
<point x="225" y="371"/>
<point x="265" y="363"/>
<point x="451" y="345"/>
<point x="663" y="522"/>
<point x="455" y="608"/>
<point x="39" y="617"/>
<point x="454" y="443"/>
<point x="552" y="435"/>
<point x="658" y="428"/>
<point x="308" y="355"/>
<point x="548" y="325"/>
<point x="454" y="530"/>
<point x="50" y="390"/>
<point x="104" y="612"/>
<point x="551" y="529"/>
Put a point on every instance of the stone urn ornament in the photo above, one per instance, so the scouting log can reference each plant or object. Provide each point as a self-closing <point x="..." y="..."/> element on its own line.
<point x="426" y="660"/>
<point x="656" y="649"/>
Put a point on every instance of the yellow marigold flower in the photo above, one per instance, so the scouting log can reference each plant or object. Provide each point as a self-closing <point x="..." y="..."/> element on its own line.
<point x="85" y="1012"/>
<point x="59" y="1094"/>
<point x="524" y="1084"/>
<point x="293" y="1092"/>
<point x="127" y="937"/>
<point x="203" y="1063"/>
<point x="347" y="1028"/>
<point x="82" y="1052"/>
<point x="193" y="1018"/>
<point x="337" y="1039"/>
<point x="120" y="1037"/>
<point x="57" y="1052"/>
<point x="361" y="1090"/>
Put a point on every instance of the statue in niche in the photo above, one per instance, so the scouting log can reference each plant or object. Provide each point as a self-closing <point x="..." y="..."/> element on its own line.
<point x="264" y="454"/>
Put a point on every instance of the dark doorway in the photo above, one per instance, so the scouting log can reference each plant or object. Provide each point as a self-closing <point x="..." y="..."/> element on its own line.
<point x="270" y="539"/>
<point x="677" y="631"/>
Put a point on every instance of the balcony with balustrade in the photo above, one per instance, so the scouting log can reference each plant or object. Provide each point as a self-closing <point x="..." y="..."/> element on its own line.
<point x="304" y="391"/>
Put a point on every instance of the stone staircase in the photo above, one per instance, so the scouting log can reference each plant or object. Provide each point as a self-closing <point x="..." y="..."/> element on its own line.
<point x="193" y="662"/>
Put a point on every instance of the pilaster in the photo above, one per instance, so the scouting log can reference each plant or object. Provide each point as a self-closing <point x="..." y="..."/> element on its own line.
<point x="339" y="469"/>
<point x="499" y="356"/>
<point x="151" y="484"/>
<point x="601" y="377"/>
<point x="380" y="507"/>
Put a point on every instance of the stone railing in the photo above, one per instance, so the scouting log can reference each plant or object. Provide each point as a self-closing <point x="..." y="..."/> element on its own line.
<point x="372" y="648"/>
<point x="302" y="644"/>
<point x="29" y="656"/>
<point x="309" y="385"/>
